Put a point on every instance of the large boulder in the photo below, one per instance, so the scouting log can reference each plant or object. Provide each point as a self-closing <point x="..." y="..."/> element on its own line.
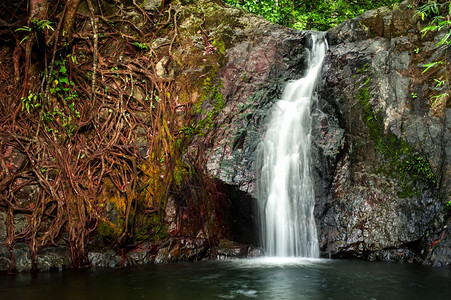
<point x="385" y="195"/>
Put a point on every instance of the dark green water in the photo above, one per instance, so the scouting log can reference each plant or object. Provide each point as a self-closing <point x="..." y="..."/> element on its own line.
<point x="237" y="279"/>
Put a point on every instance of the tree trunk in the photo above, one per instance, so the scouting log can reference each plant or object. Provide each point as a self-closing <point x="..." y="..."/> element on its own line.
<point x="69" y="18"/>
<point x="37" y="11"/>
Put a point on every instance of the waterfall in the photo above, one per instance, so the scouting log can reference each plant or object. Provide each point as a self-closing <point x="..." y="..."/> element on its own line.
<point x="285" y="185"/>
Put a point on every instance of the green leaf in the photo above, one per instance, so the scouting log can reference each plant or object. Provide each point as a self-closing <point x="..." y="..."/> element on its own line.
<point x="23" y="28"/>
<point x="426" y="29"/>
<point x="63" y="69"/>
<point x="437" y="97"/>
<point x="445" y="39"/>
<point x="439" y="82"/>
<point x="431" y="65"/>
<point x="64" y="80"/>
<point x="25" y="38"/>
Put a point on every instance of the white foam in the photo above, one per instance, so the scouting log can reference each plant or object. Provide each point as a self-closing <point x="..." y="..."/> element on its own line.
<point x="285" y="186"/>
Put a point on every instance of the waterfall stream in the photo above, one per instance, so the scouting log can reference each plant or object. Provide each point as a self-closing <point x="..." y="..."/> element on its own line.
<point x="285" y="184"/>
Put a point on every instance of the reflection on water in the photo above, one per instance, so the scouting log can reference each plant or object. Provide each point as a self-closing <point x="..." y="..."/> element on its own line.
<point x="262" y="278"/>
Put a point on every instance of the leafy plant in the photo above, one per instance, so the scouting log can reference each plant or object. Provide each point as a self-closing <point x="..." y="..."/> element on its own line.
<point x="427" y="10"/>
<point x="448" y="205"/>
<point x="36" y="26"/>
<point x="63" y="90"/>
<point x="141" y="46"/>
<point x="437" y="23"/>
<point x="115" y="68"/>
<point x="315" y="14"/>
<point x="42" y="24"/>
<point x="438" y="97"/>
<point x="31" y="101"/>
<point x="431" y="65"/>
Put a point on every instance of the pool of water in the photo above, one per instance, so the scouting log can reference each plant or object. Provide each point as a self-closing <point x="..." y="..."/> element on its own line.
<point x="263" y="278"/>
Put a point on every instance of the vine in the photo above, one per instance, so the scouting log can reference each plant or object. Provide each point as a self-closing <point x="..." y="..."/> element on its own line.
<point x="78" y="132"/>
<point x="98" y="131"/>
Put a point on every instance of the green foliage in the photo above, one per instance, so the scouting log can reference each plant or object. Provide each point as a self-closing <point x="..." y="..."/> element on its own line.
<point x="63" y="90"/>
<point x="36" y="26"/>
<point x="417" y="166"/>
<point x="448" y="205"/>
<point x="141" y="46"/>
<point x="63" y="112"/>
<point x="31" y="101"/>
<point x="438" y="97"/>
<point x="205" y="122"/>
<point x="432" y="10"/>
<point x="311" y="15"/>
<point x="431" y="65"/>
<point x="42" y="24"/>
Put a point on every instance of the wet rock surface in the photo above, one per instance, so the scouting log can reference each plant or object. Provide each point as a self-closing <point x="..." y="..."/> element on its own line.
<point x="229" y="249"/>
<point x="168" y="251"/>
<point x="374" y="90"/>
<point x="373" y="122"/>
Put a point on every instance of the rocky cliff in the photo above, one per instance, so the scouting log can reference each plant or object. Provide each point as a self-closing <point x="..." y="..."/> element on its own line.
<point x="388" y="187"/>
<point x="380" y="147"/>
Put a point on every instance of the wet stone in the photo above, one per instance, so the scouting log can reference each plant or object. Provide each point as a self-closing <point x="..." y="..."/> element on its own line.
<point x="53" y="258"/>
<point x="5" y="258"/>
<point x="22" y="253"/>
<point x="3" y="230"/>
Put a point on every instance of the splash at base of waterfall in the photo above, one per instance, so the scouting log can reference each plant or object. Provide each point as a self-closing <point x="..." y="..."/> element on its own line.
<point x="285" y="185"/>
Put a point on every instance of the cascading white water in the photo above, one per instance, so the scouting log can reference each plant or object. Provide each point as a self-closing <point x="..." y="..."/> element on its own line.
<point x="285" y="185"/>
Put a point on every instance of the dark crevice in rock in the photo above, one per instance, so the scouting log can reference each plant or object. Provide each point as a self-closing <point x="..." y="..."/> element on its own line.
<point x="238" y="215"/>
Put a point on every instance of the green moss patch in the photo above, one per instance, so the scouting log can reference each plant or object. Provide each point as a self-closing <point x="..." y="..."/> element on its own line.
<point x="406" y="163"/>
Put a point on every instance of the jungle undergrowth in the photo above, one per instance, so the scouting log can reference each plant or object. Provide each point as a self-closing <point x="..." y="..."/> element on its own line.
<point x="77" y="125"/>
<point x="99" y="131"/>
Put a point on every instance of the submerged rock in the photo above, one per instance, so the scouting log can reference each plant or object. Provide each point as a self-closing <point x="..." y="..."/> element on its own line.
<point x="230" y="249"/>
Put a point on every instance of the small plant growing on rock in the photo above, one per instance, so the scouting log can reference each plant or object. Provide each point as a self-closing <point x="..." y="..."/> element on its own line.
<point x="438" y="23"/>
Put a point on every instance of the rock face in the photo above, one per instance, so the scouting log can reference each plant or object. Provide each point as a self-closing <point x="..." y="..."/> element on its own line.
<point x="390" y="178"/>
<point x="380" y="149"/>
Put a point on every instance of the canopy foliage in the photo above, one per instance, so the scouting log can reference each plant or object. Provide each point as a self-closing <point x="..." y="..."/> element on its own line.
<point x="309" y="15"/>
